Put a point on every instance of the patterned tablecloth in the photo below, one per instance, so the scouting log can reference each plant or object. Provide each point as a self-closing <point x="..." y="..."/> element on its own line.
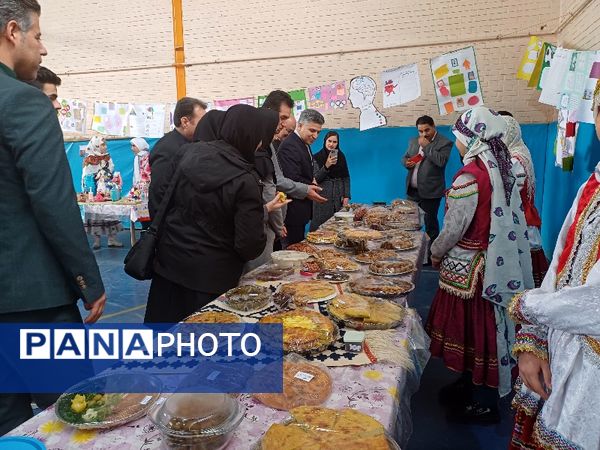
<point x="380" y="390"/>
<point x="134" y="211"/>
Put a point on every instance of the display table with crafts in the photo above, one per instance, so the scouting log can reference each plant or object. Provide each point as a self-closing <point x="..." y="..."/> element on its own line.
<point x="375" y="379"/>
<point x="133" y="210"/>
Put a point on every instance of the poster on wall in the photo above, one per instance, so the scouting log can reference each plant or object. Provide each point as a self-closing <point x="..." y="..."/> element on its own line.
<point x="566" y="137"/>
<point x="400" y="85"/>
<point x="541" y="66"/>
<point x="224" y="105"/>
<point x="456" y="80"/>
<point x="110" y="118"/>
<point x="553" y="77"/>
<point x="530" y="58"/>
<point x="576" y="79"/>
<point x="584" y="111"/>
<point x="362" y="97"/>
<point x="299" y="98"/>
<point x="72" y="115"/>
<point x="170" y="115"/>
<point x="147" y="120"/>
<point x="328" y="97"/>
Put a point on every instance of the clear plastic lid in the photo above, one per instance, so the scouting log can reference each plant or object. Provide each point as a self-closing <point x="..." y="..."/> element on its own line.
<point x="197" y="414"/>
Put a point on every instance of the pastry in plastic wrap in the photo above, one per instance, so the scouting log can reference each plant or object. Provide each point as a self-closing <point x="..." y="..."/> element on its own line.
<point x="332" y="276"/>
<point x="391" y="268"/>
<point x="249" y="297"/>
<point x="213" y="317"/>
<point x="362" y="235"/>
<point x="313" y="427"/>
<point x="376" y="255"/>
<point x="321" y="237"/>
<point x="304" y="330"/>
<point x="303" y="247"/>
<point x="304" y="383"/>
<point x="380" y="287"/>
<point x="340" y="263"/>
<point x="272" y="273"/>
<point x="365" y="313"/>
<point x="311" y="291"/>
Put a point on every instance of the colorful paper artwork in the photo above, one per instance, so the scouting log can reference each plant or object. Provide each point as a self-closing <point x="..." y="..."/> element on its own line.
<point x="576" y="79"/>
<point x="362" y="96"/>
<point x="72" y="115"/>
<point x="147" y="120"/>
<point x="529" y="59"/>
<point x="224" y="105"/>
<point x="110" y="118"/>
<point x="566" y="137"/>
<point x="456" y="81"/>
<point x="553" y="77"/>
<point x="328" y="97"/>
<point x="170" y="115"/>
<point x="541" y="66"/>
<point x="299" y="98"/>
<point x="400" y="85"/>
<point x="584" y="113"/>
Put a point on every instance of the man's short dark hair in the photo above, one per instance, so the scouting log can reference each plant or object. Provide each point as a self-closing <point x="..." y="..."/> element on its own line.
<point x="185" y="108"/>
<point x="505" y="113"/>
<point x="425" y="120"/>
<point x="45" y="75"/>
<point x="276" y="98"/>
<point x="19" y="11"/>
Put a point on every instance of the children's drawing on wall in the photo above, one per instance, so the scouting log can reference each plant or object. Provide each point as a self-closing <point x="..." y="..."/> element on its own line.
<point x="224" y="105"/>
<point x="110" y="118"/>
<point x="400" y="85"/>
<point x="72" y="115"/>
<point x="530" y="58"/>
<point x="328" y="96"/>
<point x="147" y="120"/>
<point x="456" y="79"/>
<point x="362" y="96"/>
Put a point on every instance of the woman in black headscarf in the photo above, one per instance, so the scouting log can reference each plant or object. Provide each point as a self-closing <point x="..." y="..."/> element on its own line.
<point x="333" y="176"/>
<point x="215" y="220"/>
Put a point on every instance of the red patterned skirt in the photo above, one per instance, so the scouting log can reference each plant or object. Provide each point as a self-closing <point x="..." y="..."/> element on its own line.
<point x="522" y="435"/>
<point x="540" y="265"/>
<point x="463" y="334"/>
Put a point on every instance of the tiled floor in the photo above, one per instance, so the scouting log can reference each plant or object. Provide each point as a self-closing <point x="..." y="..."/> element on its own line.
<point x="127" y="300"/>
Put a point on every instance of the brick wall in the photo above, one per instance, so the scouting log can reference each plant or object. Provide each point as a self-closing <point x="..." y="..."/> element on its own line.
<point x="582" y="31"/>
<point x="115" y="50"/>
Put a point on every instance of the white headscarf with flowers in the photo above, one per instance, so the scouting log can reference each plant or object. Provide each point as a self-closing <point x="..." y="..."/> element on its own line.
<point x="94" y="147"/>
<point x="143" y="147"/>
<point x="508" y="259"/>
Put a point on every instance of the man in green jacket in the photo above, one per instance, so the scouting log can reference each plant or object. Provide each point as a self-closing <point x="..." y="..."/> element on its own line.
<point x="46" y="264"/>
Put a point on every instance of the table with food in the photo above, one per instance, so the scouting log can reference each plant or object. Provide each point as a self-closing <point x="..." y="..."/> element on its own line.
<point x="354" y="353"/>
<point x="126" y="208"/>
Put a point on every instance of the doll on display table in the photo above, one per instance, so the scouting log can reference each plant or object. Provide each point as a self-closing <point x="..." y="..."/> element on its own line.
<point x="99" y="166"/>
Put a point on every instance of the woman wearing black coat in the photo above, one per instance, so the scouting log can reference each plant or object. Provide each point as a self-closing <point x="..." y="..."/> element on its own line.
<point x="215" y="220"/>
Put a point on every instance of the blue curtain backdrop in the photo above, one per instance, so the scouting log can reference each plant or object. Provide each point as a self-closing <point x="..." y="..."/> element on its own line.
<point x="374" y="159"/>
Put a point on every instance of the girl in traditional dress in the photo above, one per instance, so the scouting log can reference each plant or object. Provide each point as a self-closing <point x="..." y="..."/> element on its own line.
<point x="99" y="165"/>
<point x="333" y="176"/>
<point x="484" y="260"/>
<point x="523" y="164"/>
<point x="141" y="177"/>
<point x="558" y="400"/>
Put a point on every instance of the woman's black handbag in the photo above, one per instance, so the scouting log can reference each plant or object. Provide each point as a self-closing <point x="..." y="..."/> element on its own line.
<point x="139" y="262"/>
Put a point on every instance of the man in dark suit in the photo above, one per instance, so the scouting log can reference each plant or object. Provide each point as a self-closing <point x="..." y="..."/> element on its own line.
<point x="296" y="162"/>
<point x="164" y="157"/>
<point x="426" y="160"/>
<point x="46" y="264"/>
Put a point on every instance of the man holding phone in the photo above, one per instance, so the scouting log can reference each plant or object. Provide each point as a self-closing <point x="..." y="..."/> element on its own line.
<point x="426" y="160"/>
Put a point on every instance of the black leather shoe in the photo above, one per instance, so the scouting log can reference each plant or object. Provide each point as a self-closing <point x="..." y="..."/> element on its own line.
<point x="457" y="393"/>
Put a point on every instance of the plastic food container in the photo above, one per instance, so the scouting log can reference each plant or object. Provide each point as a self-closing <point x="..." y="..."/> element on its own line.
<point x="347" y="216"/>
<point x="353" y="341"/>
<point x="197" y="421"/>
<point x="287" y="259"/>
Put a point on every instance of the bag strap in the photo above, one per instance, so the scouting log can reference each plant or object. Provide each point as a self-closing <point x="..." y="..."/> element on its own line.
<point x="166" y="200"/>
